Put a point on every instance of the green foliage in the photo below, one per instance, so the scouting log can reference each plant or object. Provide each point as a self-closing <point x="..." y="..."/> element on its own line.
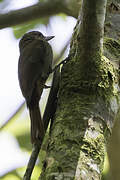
<point x="63" y="16"/>
<point x="22" y="139"/>
<point x="11" y="175"/>
<point x="19" y="173"/>
<point x="22" y="29"/>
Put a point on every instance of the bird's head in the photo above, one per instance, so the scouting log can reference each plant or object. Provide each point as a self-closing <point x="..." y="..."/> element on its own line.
<point x="31" y="36"/>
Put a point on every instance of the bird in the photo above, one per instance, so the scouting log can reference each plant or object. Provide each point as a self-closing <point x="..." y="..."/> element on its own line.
<point x="34" y="67"/>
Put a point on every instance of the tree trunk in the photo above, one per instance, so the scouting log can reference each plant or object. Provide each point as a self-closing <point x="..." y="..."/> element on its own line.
<point x="88" y="103"/>
<point x="112" y="51"/>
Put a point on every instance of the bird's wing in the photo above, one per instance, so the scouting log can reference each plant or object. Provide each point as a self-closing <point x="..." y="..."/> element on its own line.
<point x="34" y="63"/>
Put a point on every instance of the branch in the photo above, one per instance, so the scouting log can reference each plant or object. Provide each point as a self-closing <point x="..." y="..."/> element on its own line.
<point x="31" y="163"/>
<point x="39" y="10"/>
<point x="52" y="99"/>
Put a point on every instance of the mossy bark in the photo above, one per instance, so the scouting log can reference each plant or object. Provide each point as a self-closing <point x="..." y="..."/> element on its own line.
<point x="88" y="103"/>
<point x="112" y="51"/>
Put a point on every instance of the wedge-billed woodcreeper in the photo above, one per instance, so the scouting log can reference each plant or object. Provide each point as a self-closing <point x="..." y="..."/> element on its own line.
<point x="34" y="67"/>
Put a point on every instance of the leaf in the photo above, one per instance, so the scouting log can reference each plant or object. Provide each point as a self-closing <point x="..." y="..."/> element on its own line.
<point x="23" y="28"/>
<point x="11" y="175"/>
<point x="63" y="16"/>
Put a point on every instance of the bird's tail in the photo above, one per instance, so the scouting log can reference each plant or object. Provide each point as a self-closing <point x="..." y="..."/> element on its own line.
<point x="37" y="127"/>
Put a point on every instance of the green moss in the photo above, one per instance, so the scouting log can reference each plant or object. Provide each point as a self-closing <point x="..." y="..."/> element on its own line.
<point x="113" y="46"/>
<point x="98" y="78"/>
<point x="112" y="51"/>
<point x="94" y="148"/>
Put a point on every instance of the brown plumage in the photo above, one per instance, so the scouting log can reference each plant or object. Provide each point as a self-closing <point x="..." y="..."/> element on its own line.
<point x="34" y="67"/>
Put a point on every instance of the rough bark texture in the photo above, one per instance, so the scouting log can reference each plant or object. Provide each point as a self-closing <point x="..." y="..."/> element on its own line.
<point x="112" y="51"/>
<point x="88" y="103"/>
<point x="112" y="24"/>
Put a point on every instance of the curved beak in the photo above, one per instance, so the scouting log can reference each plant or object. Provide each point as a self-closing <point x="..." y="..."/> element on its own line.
<point x="47" y="38"/>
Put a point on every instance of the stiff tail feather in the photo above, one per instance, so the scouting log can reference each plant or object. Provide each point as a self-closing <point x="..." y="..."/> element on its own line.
<point x="37" y="127"/>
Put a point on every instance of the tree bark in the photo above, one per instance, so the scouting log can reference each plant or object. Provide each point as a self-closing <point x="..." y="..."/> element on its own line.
<point x="112" y="51"/>
<point x="88" y="103"/>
